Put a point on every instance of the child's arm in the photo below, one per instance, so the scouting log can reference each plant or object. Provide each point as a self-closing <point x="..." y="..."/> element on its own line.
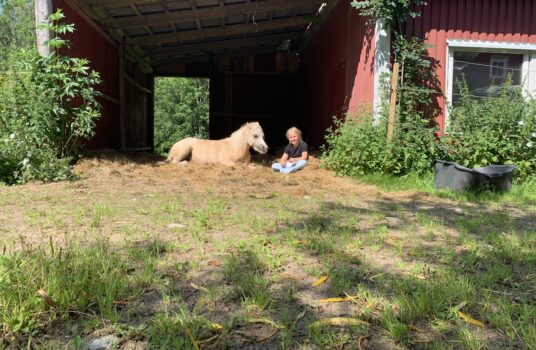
<point x="283" y="159"/>
<point x="304" y="156"/>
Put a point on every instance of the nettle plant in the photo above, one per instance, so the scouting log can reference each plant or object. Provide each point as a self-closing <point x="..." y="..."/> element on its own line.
<point x="69" y="83"/>
<point x="499" y="130"/>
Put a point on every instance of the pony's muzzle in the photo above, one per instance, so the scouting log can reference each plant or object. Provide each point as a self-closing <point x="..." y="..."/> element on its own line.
<point x="262" y="149"/>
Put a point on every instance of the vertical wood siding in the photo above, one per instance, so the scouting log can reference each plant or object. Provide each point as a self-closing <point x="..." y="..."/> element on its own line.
<point x="338" y="70"/>
<point x="88" y="43"/>
<point x="485" y="20"/>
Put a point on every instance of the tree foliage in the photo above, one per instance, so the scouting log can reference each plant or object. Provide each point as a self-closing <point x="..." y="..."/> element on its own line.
<point x="181" y="110"/>
<point x="17" y="27"/>
<point x="393" y="12"/>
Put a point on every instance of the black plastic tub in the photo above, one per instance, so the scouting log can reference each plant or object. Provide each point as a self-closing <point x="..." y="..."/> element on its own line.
<point x="459" y="178"/>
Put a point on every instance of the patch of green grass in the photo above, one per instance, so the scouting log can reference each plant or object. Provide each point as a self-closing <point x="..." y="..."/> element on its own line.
<point x="246" y="272"/>
<point x="85" y="280"/>
<point x="522" y="192"/>
<point x="180" y="329"/>
<point x="390" y="183"/>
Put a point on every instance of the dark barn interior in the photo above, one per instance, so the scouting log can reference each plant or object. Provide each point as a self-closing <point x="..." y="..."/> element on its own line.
<point x="251" y="50"/>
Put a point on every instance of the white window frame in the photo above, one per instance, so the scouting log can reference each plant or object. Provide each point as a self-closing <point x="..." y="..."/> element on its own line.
<point x="528" y="68"/>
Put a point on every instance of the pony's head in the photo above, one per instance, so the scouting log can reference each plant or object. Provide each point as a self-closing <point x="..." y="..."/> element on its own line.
<point x="255" y="137"/>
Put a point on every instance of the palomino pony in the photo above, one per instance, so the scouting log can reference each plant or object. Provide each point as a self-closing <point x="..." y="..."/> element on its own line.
<point x="228" y="151"/>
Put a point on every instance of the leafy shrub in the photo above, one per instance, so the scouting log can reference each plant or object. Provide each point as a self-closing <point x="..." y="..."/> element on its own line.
<point x="500" y="130"/>
<point x="68" y="83"/>
<point x="47" y="109"/>
<point x="356" y="146"/>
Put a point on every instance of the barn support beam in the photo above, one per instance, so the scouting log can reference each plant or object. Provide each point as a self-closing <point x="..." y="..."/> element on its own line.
<point x="122" y="94"/>
<point x="43" y="9"/>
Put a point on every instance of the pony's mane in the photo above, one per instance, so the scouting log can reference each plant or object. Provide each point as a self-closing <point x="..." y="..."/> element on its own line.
<point x="240" y="130"/>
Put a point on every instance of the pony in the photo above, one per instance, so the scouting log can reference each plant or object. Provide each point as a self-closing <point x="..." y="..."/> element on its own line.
<point x="229" y="151"/>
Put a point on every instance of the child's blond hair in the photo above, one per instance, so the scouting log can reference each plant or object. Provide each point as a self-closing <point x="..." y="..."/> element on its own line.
<point x="294" y="130"/>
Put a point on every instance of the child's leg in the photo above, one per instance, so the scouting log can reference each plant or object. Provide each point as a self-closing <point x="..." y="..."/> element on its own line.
<point x="300" y="164"/>
<point x="277" y="167"/>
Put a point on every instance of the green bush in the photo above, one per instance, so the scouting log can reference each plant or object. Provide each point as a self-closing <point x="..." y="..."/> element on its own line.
<point x="500" y="130"/>
<point x="47" y="110"/>
<point x="357" y="145"/>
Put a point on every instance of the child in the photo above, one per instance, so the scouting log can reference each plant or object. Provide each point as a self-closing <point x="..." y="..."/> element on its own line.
<point x="296" y="153"/>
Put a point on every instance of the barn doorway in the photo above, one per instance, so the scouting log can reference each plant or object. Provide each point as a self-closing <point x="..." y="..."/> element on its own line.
<point x="181" y="109"/>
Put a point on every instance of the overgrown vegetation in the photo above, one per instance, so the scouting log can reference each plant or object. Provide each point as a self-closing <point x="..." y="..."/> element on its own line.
<point x="500" y="130"/>
<point x="358" y="144"/>
<point x="17" y="28"/>
<point x="181" y="110"/>
<point x="47" y="110"/>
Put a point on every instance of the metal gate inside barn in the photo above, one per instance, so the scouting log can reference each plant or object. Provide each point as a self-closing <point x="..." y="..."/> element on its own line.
<point x="271" y="61"/>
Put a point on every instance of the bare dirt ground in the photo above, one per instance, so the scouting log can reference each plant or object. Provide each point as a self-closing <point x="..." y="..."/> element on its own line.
<point x="121" y="179"/>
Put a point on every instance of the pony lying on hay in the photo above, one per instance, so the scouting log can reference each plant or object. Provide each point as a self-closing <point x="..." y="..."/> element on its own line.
<point x="228" y="151"/>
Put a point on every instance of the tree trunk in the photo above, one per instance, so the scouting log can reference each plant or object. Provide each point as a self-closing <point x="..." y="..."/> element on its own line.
<point x="43" y="9"/>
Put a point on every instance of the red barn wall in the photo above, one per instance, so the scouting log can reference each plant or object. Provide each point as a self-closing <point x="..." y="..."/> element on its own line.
<point x="338" y="70"/>
<point x="88" y="42"/>
<point x="485" y="20"/>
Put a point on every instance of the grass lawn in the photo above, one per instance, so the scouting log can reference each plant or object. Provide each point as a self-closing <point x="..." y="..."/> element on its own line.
<point x="190" y="257"/>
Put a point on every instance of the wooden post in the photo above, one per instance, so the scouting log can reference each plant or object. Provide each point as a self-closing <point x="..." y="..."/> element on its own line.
<point x="122" y="95"/>
<point x="392" y="103"/>
<point x="43" y="9"/>
<point x="229" y="106"/>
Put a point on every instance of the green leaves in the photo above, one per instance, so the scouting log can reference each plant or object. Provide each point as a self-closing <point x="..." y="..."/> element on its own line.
<point x="499" y="130"/>
<point x="49" y="105"/>
<point x="181" y="110"/>
<point x="392" y="12"/>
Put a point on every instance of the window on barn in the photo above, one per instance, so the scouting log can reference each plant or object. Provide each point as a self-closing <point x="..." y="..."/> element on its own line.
<point x="485" y="73"/>
<point x="485" y="67"/>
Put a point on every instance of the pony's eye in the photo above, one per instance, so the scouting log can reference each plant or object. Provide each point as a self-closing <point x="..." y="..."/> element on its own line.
<point x="255" y="136"/>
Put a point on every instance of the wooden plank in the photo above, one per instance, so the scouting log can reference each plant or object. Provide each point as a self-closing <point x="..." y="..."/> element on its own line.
<point x="114" y="38"/>
<point x="224" y="44"/>
<point x="137" y="85"/>
<point x="119" y="3"/>
<point x="210" y="12"/>
<point x="108" y="98"/>
<point x="392" y="103"/>
<point x="317" y="23"/>
<point x="204" y="57"/>
<point x="43" y="9"/>
<point x="218" y="31"/>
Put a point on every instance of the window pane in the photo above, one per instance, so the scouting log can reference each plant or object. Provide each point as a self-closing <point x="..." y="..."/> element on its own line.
<point x="485" y="73"/>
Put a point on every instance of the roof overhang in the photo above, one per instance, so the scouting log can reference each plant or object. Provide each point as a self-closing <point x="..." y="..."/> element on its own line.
<point x="165" y="31"/>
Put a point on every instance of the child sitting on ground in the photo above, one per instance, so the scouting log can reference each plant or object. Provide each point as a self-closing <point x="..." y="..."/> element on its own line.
<point x="295" y="155"/>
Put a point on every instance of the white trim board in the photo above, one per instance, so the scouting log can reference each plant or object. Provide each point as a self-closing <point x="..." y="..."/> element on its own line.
<point x="491" y="45"/>
<point x="382" y="59"/>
